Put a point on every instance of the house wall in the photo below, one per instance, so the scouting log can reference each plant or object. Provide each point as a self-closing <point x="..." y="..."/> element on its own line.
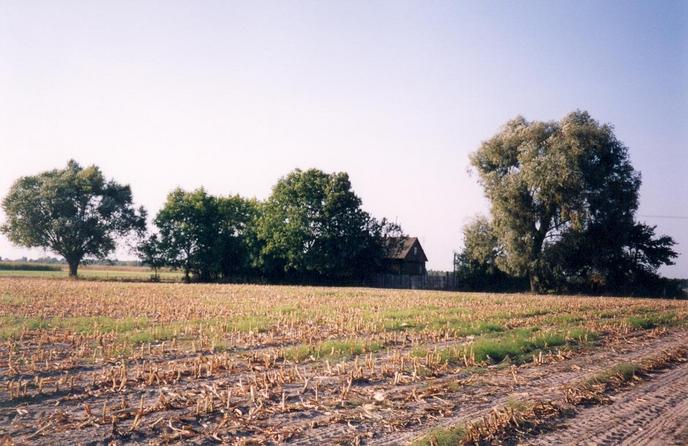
<point x="412" y="264"/>
<point x="413" y="267"/>
<point x="416" y="253"/>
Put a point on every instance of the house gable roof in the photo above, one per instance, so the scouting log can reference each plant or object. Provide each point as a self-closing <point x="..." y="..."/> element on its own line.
<point x="399" y="248"/>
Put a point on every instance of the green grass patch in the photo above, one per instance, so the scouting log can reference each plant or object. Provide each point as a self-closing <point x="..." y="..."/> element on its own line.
<point x="130" y="330"/>
<point x="90" y="273"/>
<point x="7" y="299"/>
<point x="624" y="371"/>
<point x="582" y="335"/>
<point x="41" y="274"/>
<point x="12" y="327"/>
<point x="331" y="349"/>
<point x="652" y="321"/>
<point x="515" y="345"/>
<point x="516" y="348"/>
<point x="246" y="324"/>
<point x="101" y="324"/>
<point x="287" y="309"/>
<point x="443" y="437"/>
<point x="399" y="325"/>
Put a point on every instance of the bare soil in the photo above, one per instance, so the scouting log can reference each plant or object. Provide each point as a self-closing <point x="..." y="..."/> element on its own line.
<point x="337" y="405"/>
<point x="548" y="383"/>
<point x="654" y="412"/>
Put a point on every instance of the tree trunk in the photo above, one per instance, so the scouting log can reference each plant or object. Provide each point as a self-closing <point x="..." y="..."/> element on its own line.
<point x="73" y="267"/>
<point x="538" y="241"/>
<point x="534" y="282"/>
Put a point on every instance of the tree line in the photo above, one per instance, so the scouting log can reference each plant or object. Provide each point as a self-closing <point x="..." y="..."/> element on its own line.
<point x="563" y="197"/>
<point x="312" y="228"/>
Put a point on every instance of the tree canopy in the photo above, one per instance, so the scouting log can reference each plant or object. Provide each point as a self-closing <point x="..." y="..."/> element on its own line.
<point x="563" y="197"/>
<point x="203" y="235"/>
<point x="476" y="266"/>
<point x="74" y="212"/>
<point x="313" y="226"/>
<point x="311" y="229"/>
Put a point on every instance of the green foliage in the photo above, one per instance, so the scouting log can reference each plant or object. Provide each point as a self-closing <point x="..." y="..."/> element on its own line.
<point x="188" y="224"/>
<point x="476" y="266"/>
<point x="563" y="197"/>
<point x="151" y="253"/>
<point x="481" y="243"/>
<point x="312" y="226"/>
<point x="16" y="266"/>
<point x="238" y="243"/>
<point x="74" y="212"/>
<point x="205" y="236"/>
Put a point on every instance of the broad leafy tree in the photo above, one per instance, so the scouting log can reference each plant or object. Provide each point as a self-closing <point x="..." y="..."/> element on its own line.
<point x="75" y="212"/>
<point x="188" y="224"/>
<point x="563" y="197"/>
<point x="476" y="265"/>
<point x="203" y="235"/>
<point x="150" y="252"/>
<point x="313" y="227"/>
<point x="481" y="244"/>
<point x="237" y="238"/>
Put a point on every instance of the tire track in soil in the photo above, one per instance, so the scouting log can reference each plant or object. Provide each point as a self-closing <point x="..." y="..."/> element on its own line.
<point x="653" y="412"/>
<point x="546" y="382"/>
<point x="470" y="401"/>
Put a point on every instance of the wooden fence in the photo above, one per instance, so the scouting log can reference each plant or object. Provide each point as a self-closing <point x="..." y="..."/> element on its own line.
<point x="432" y="281"/>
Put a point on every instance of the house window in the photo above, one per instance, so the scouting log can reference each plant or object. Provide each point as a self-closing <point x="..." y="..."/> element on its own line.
<point x="415" y="250"/>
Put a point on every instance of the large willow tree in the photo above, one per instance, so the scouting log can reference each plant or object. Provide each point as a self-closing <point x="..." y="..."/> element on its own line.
<point x="563" y="197"/>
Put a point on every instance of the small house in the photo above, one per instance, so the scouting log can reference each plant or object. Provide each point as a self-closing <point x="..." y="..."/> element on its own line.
<point x="404" y="256"/>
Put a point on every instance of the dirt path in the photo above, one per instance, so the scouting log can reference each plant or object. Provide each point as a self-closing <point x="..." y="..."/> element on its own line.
<point x="544" y="383"/>
<point x="654" y="412"/>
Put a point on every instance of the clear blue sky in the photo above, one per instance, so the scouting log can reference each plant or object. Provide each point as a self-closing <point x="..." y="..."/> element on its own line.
<point x="232" y="95"/>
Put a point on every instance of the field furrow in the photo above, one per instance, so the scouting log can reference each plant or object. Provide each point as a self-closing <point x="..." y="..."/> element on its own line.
<point x="95" y="363"/>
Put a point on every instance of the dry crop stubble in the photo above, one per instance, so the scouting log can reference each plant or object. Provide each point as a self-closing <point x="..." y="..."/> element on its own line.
<point x="173" y="362"/>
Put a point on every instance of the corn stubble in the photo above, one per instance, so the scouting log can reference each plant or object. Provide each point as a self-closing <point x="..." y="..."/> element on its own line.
<point x="245" y="364"/>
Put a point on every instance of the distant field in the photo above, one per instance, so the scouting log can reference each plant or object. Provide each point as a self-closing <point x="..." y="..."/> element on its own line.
<point x="101" y="272"/>
<point x="89" y="361"/>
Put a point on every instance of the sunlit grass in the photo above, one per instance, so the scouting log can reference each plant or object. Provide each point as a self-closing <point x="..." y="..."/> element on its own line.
<point x="515" y="345"/>
<point x="648" y="321"/>
<point x="314" y="320"/>
<point x="331" y="349"/>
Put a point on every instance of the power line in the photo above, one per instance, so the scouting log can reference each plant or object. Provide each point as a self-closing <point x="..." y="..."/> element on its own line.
<point x="674" y="217"/>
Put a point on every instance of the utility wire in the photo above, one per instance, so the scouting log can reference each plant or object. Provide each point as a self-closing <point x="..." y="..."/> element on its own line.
<point x="674" y="217"/>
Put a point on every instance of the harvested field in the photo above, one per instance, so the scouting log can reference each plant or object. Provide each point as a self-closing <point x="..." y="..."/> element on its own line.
<point x="101" y="362"/>
<point x="90" y="272"/>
